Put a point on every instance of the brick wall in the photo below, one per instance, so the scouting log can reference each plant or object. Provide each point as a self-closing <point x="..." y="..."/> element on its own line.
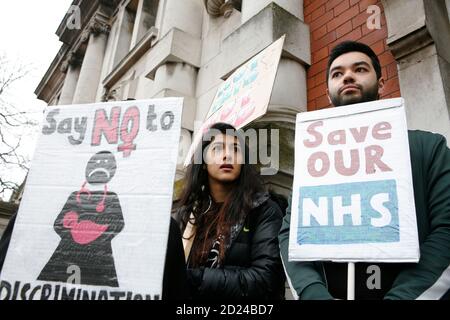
<point x="337" y="20"/>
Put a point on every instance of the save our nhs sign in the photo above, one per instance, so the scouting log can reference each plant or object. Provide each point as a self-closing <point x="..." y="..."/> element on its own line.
<point x="353" y="197"/>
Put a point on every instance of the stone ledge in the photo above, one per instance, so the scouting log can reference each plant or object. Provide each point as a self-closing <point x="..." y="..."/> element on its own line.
<point x="175" y="46"/>
<point x="410" y="43"/>
<point x="262" y="30"/>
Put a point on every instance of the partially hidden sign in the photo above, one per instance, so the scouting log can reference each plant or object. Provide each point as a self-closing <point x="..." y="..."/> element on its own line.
<point x="94" y="219"/>
<point x="245" y="95"/>
<point x="353" y="198"/>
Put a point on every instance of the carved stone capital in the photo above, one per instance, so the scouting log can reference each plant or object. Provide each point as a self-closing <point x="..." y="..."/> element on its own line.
<point x="96" y="26"/>
<point x="72" y="59"/>
<point x="85" y="35"/>
<point x="217" y="8"/>
<point x="109" y="95"/>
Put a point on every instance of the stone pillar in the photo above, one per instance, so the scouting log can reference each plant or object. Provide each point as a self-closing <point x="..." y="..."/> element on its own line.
<point x="90" y="73"/>
<point x="288" y="98"/>
<point x="173" y="63"/>
<point x="177" y="79"/>
<point x="71" y="66"/>
<point x="185" y="15"/>
<point x="288" y="93"/>
<point x="419" y="43"/>
<point x="270" y="20"/>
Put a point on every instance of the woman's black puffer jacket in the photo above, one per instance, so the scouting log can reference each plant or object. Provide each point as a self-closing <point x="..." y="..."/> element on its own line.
<point x="252" y="267"/>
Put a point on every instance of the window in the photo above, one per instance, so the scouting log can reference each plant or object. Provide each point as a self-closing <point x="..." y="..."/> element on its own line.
<point x="134" y="21"/>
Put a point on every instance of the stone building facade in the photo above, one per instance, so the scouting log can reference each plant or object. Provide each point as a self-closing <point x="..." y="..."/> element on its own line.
<point x="136" y="49"/>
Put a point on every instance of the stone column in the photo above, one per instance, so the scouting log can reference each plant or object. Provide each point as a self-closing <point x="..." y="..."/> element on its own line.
<point x="177" y="79"/>
<point x="419" y="42"/>
<point x="288" y="98"/>
<point x="185" y="15"/>
<point x="71" y="66"/>
<point x="270" y="20"/>
<point x="90" y="73"/>
<point x="173" y="64"/>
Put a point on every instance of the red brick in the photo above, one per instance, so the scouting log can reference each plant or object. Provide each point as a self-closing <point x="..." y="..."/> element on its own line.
<point x="378" y="47"/>
<point x="383" y="19"/>
<point x="317" y="13"/>
<point x="360" y="19"/>
<point x="391" y="86"/>
<point x="321" y="20"/>
<point x="313" y="6"/>
<point x="355" y="35"/>
<point x="321" y="77"/>
<point x="365" y="30"/>
<point x="319" y="55"/>
<point x="353" y="2"/>
<point x="306" y="2"/>
<point x="310" y="83"/>
<point x="319" y="33"/>
<point x="333" y="4"/>
<point x="392" y="70"/>
<point x="324" y="41"/>
<point x="317" y="67"/>
<point x="374" y="36"/>
<point x="341" y="7"/>
<point x="311" y="105"/>
<point x="396" y="94"/>
<point x="344" y="29"/>
<point x="384" y="73"/>
<point x="308" y="18"/>
<point x="386" y="58"/>
<point x="317" y="91"/>
<point x="327" y="107"/>
<point x="323" y="102"/>
<point x="343" y="18"/>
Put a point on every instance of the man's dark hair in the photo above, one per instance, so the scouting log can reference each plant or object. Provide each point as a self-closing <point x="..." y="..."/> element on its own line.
<point x="352" y="46"/>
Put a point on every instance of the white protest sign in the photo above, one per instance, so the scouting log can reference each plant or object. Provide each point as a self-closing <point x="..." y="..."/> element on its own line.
<point x="94" y="219"/>
<point x="353" y="197"/>
<point x="245" y="95"/>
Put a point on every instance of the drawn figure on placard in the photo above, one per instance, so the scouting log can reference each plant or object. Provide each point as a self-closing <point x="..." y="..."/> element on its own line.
<point x="87" y="224"/>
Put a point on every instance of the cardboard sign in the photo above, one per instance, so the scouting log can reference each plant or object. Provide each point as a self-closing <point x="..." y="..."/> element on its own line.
<point x="245" y="95"/>
<point x="94" y="219"/>
<point x="353" y="198"/>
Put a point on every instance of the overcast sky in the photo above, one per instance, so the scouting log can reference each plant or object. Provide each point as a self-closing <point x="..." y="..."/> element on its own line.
<point x="27" y="36"/>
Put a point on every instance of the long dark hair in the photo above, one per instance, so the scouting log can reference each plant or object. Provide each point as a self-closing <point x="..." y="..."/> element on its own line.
<point x="196" y="198"/>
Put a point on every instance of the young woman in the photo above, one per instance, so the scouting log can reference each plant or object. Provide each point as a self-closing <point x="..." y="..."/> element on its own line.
<point x="230" y="225"/>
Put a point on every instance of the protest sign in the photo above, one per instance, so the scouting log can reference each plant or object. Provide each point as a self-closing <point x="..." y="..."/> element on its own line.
<point x="352" y="197"/>
<point x="94" y="218"/>
<point x="245" y="95"/>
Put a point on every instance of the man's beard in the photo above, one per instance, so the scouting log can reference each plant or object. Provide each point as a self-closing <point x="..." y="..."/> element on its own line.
<point x="368" y="94"/>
